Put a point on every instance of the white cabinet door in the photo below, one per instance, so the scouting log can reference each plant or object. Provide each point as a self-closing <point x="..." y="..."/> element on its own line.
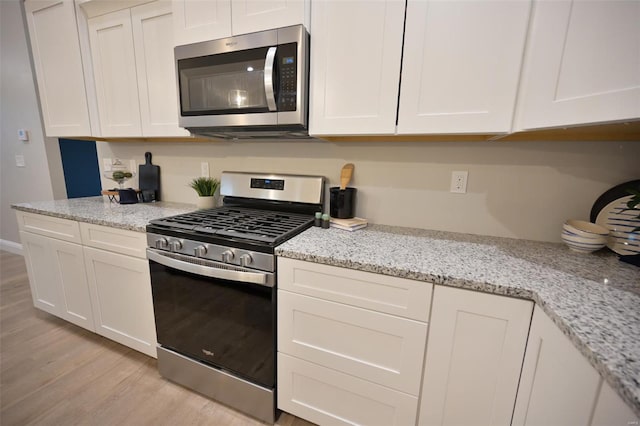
<point x="58" y="66"/>
<point x="155" y="69"/>
<point x="461" y="65"/>
<point x="248" y="16"/>
<point x="381" y="348"/>
<point x="355" y="74"/>
<point x="582" y="64"/>
<point x="114" y="67"/>
<point x="328" y="397"/>
<point x="200" y="20"/>
<point x="558" y="385"/>
<point x="57" y="277"/>
<point x="44" y="282"/>
<point x="610" y="409"/>
<point x="122" y="302"/>
<point x="474" y="354"/>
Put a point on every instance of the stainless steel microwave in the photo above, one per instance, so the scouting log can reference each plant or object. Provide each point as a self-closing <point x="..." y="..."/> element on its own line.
<point x="247" y="86"/>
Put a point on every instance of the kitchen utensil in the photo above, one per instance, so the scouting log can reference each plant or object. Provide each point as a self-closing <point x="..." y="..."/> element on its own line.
<point x="345" y="175"/>
<point x="149" y="179"/>
<point x="342" y="202"/>
<point x="610" y="210"/>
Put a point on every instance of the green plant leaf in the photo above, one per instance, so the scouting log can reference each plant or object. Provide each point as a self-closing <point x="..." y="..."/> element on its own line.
<point x="205" y="186"/>
<point x="633" y="203"/>
<point x="634" y="192"/>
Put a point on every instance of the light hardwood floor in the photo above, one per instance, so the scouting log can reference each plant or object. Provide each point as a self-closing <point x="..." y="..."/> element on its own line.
<point x="55" y="373"/>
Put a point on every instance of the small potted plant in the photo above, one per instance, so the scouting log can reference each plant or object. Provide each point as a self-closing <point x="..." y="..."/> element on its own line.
<point x="206" y="187"/>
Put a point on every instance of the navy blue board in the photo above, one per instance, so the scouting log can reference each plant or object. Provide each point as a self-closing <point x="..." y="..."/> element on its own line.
<point x="80" y="166"/>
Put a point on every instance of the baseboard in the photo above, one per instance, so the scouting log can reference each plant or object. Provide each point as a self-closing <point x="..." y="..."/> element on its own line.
<point x="11" y="247"/>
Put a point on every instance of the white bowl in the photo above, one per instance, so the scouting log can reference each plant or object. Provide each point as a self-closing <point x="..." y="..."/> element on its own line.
<point x="582" y="244"/>
<point x="584" y="228"/>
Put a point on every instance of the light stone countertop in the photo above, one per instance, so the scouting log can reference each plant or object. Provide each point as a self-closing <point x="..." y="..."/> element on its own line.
<point x="593" y="298"/>
<point x="101" y="211"/>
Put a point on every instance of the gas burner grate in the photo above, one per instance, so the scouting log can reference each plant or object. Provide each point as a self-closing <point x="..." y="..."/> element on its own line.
<point x="238" y="222"/>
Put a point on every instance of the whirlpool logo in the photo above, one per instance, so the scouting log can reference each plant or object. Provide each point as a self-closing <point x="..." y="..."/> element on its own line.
<point x="207" y="353"/>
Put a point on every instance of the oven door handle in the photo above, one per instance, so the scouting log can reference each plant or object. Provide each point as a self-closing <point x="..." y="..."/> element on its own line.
<point x="261" y="278"/>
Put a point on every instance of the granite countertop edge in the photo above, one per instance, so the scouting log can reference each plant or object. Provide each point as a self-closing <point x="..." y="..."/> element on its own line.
<point x="627" y="387"/>
<point x="95" y="221"/>
<point x="100" y="211"/>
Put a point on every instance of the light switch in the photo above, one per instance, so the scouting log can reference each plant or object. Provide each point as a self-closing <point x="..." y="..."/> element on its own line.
<point x="20" y="160"/>
<point x="204" y="169"/>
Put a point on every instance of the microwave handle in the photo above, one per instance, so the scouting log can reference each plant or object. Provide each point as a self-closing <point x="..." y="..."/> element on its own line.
<point x="268" y="78"/>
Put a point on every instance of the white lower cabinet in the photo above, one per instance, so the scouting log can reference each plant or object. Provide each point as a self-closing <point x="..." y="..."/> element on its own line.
<point x="328" y="397"/>
<point x="560" y="387"/>
<point x="342" y="357"/>
<point x="121" y="295"/>
<point x="474" y="355"/>
<point x="57" y="278"/>
<point x="94" y="276"/>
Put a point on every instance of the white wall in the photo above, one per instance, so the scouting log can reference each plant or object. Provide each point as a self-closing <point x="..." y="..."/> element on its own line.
<point x="42" y="178"/>
<point x="515" y="189"/>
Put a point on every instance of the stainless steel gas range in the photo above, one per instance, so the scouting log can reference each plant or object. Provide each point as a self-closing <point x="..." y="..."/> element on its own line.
<point x="213" y="276"/>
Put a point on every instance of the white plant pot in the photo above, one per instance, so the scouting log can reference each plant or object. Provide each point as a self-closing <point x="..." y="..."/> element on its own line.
<point x="206" y="202"/>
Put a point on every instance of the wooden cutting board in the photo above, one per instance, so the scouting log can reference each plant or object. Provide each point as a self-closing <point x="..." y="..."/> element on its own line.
<point x="149" y="176"/>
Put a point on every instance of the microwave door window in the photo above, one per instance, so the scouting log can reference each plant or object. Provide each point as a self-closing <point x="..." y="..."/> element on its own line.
<point x="234" y="83"/>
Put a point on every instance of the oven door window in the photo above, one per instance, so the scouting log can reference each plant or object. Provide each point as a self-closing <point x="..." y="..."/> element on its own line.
<point x="227" y="83"/>
<point x="227" y="324"/>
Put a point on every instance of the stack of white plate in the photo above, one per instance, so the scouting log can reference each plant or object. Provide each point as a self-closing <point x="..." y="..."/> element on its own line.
<point x="584" y="237"/>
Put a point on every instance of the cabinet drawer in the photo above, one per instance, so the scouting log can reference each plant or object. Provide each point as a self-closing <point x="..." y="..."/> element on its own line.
<point x="49" y="226"/>
<point x="376" y="347"/>
<point x="396" y="296"/>
<point x="327" y="397"/>
<point x="113" y="239"/>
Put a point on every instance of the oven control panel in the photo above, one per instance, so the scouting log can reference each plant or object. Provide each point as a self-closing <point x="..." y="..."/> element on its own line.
<point x="277" y="184"/>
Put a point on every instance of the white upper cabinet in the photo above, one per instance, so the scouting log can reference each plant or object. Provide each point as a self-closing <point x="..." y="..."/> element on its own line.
<point x="114" y="68"/>
<point x="198" y="20"/>
<point x="153" y="42"/>
<point x="132" y="52"/>
<point x="248" y="16"/>
<point x="582" y="64"/>
<point x="356" y="50"/>
<point x="58" y="66"/>
<point x="195" y="21"/>
<point x="461" y="65"/>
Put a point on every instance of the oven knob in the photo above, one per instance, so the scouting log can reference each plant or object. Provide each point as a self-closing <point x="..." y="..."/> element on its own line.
<point x="175" y="245"/>
<point x="227" y="256"/>
<point x="200" y="251"/>
<point x="246" y="259"/>
<point x="161" y="243"/>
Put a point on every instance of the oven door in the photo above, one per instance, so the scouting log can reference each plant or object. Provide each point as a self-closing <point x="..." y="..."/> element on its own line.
<point x="220" y="315"/>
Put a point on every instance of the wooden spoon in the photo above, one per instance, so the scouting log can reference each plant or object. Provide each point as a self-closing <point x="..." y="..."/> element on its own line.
<point x="345" y="175"/>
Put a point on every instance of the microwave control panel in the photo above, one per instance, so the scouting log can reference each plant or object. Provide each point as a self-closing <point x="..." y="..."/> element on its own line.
<point x="286" y="55"/>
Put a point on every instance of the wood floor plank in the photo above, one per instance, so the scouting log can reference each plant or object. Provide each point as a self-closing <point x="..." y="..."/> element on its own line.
<point x="55" y="373"/>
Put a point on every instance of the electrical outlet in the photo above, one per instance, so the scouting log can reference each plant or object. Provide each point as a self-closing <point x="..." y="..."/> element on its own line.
<point x="106" y="164"/>
<point x="133" y="167"/>
<point x="459" y="182"/>
<point x="20" y="160"/>
<point x="204" y="169"/>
